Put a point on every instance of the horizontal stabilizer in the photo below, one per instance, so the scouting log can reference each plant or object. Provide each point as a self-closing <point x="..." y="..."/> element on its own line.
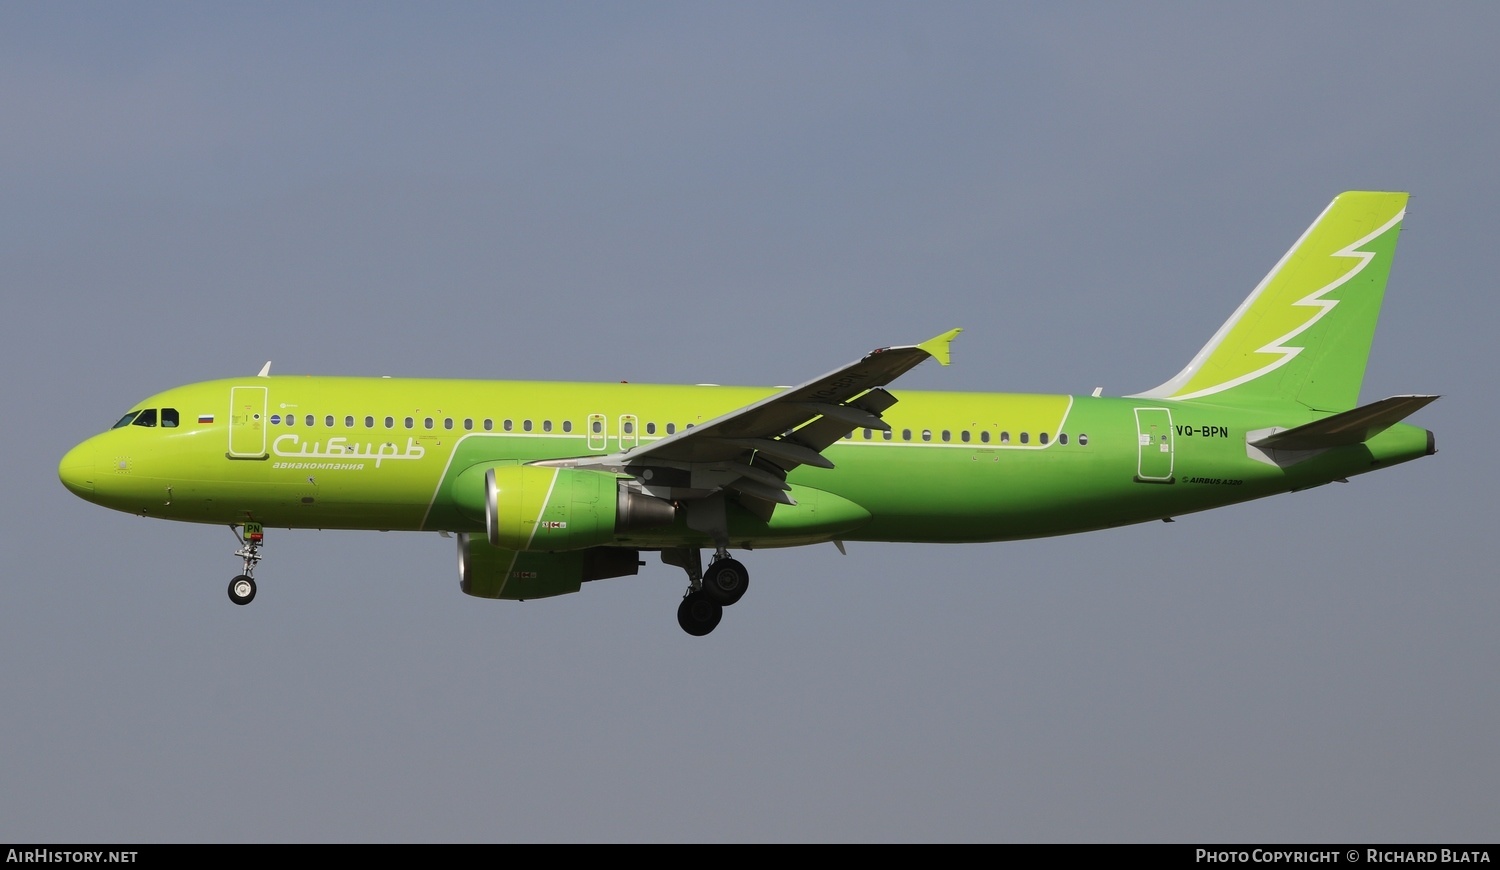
<point x="1350" y="427"/>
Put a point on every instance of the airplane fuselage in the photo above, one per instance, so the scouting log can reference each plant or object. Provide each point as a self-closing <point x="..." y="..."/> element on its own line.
<point x="386" y="453"/>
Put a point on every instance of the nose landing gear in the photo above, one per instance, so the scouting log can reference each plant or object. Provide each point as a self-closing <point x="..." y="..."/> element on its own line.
<point x="242" y="587"/>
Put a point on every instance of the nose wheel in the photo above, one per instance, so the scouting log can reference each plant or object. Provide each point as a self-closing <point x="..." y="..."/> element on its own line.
<point x="242" y="588"/>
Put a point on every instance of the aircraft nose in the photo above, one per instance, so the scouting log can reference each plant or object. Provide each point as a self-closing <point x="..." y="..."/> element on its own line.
<point x="77" y="470"/>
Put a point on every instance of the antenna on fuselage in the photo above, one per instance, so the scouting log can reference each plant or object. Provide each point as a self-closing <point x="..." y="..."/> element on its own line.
<point x="265" y="370"/>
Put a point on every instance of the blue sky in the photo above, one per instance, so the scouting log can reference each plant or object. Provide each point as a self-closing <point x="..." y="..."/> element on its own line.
<point x="741" y="194"/>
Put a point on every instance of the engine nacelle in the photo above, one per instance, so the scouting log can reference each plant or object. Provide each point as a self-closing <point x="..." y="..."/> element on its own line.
<point x="490" y="572"/>
<point x="529" y="508"/>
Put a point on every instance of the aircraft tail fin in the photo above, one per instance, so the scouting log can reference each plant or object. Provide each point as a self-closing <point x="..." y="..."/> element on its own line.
<point x="1304" y="333"/>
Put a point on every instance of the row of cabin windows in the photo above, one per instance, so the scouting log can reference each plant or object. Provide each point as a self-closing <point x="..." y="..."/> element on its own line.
<point x="168" y="418"/>
<point x="964" y="436"/>
<point x="628" y="428"/>
<point x="448" y="423"/>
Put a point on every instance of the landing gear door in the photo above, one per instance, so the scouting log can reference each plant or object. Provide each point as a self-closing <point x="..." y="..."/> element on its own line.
<point x="1154" y="434"/>
<point x="247" y="423"/>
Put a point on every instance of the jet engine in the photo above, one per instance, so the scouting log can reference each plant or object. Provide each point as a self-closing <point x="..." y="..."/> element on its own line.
<point x="530" y="508"/>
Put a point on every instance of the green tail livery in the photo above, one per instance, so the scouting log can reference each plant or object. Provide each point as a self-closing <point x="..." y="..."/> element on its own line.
<point x="548" y="485"/>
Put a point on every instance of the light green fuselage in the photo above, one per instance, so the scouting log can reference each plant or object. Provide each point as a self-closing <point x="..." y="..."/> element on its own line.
<point x="389" y="454"/>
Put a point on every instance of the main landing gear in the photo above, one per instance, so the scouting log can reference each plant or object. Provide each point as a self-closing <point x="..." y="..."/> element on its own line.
<point x="708" y="593"/>
<point x="242" y="588"/>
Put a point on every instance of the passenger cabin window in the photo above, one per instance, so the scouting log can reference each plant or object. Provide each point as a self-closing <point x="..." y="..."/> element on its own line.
<point x="985" y="436"/>
<point x="328" y="421"/>
<point x="1025" y="437"/>
<point x="1083" y="440"/>
<point x="567" y="425"/>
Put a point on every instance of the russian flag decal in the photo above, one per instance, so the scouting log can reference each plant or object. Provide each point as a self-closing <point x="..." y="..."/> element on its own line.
<point x="205" y="418"/>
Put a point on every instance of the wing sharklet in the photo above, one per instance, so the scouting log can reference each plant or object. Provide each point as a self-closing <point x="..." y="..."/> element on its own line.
<point x="940" y="347"/>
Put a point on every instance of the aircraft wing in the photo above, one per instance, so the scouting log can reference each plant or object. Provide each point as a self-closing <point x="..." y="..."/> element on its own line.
<point x="750" y="450"/>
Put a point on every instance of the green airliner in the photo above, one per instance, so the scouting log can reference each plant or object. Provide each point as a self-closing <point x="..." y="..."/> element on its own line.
<point x="548" y="485"/>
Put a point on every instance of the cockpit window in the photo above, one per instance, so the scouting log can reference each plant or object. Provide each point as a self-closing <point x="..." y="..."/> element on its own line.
<point x="169" y="418"/>
<point x="125" y="420"/>
<point x="145" y="418"/>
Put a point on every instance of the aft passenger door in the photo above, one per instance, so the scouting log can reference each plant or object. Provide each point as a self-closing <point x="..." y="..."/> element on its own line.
<point x="1154" y="435"/>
